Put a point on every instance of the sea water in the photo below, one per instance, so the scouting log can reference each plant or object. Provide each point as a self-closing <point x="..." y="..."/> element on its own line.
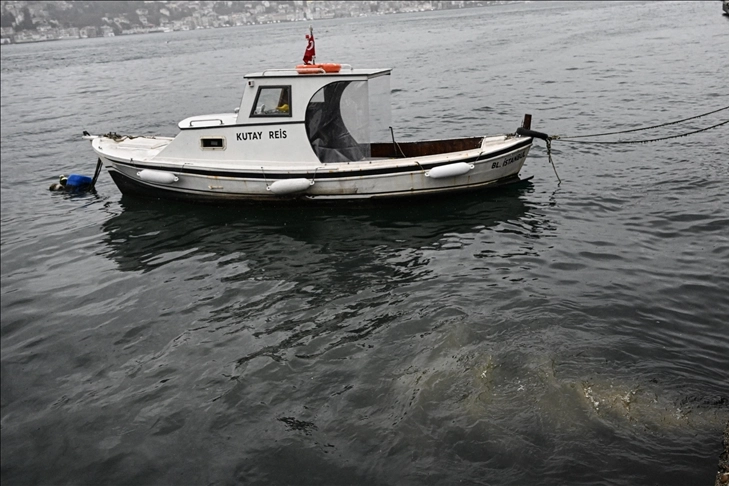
<point x="554" y="333"/>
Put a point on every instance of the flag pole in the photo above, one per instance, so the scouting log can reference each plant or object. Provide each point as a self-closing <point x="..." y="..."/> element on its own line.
<point x="311" y="33"/>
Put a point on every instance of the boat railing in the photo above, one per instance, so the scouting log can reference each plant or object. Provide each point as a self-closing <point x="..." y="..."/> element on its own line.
<point x="313" y="70"/>
<point x="273" y="71"/>
<point x="206" y="120"/>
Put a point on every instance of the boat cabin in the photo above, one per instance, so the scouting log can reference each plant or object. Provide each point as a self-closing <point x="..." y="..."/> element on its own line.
<point x="287" y="116"/>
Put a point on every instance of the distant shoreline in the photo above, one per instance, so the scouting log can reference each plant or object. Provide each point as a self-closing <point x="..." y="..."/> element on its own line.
<point x="92" y="32"/>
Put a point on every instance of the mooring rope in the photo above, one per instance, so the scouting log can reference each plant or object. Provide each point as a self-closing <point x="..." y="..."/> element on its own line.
<point x="549" y="154"/>
<point x="559" y="137"/>
<point x="99" y="165"/>
<point x="640" y="141"/>
<point x="549" y="139"/>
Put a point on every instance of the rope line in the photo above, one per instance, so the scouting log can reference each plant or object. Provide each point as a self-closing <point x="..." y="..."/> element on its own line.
<point x="549" y="154"/>
<point x="548" y="139"/>
<point x="558" y="137"/>
<point x="641" y="141"/>
<point x="99" y="165"/>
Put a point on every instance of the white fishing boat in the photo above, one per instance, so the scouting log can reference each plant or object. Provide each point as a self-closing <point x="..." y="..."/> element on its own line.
<point x="316" y="132"/>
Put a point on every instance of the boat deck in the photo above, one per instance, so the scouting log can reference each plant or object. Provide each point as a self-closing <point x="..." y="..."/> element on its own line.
<point x="146" y="149"/>
<point x="129" y="147"/>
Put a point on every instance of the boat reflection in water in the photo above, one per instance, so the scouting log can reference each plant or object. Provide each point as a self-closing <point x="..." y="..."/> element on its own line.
<point x="267" y="271"/>
<point x="144" y="237"/>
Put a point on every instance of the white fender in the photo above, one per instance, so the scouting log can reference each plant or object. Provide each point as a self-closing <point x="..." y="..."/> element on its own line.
<point x="158" y="176"/>
<point x="289" y="186"/>
<point x="450" y="170"/>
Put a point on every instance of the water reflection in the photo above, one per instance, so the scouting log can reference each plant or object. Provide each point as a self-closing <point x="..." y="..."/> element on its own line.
<point x="300" y="282"/>
<point x="150" y="234"/>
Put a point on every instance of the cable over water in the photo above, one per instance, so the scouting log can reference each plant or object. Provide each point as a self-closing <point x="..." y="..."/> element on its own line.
<point x="550" y="138"/>
<point x="559" y="137"/>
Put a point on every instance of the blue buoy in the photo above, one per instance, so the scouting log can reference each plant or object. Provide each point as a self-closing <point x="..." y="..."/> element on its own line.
<point x="73" y="183"/>
<point x="76" y="182"/>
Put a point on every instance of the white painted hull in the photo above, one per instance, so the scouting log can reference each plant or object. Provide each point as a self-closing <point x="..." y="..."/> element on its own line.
<point x="136" y="169"/>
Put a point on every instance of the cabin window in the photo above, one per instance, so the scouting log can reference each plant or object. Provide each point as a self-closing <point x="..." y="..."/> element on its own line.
<point x="272" y="101"/>
<point x="212" y="143"/>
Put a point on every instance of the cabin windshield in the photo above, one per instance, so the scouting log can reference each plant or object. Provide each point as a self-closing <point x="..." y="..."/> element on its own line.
<point x="272" y="101"/>
<point x="340" y="122"/>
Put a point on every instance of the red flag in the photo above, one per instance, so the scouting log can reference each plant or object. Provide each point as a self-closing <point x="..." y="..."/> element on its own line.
<point x="310" y="52"/>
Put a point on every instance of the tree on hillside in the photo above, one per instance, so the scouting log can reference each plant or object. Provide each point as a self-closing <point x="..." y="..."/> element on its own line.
<point x="86" y="13"/>
<point x="7" y="19"/>
<point x="27" y="22"/>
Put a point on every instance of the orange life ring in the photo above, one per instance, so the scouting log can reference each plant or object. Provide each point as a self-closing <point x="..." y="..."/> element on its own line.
<point x="328" y="67"/>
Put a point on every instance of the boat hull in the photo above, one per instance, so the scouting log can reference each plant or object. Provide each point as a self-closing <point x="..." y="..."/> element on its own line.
<point x="357" y="181"/>
<point x="132" y="187"/>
